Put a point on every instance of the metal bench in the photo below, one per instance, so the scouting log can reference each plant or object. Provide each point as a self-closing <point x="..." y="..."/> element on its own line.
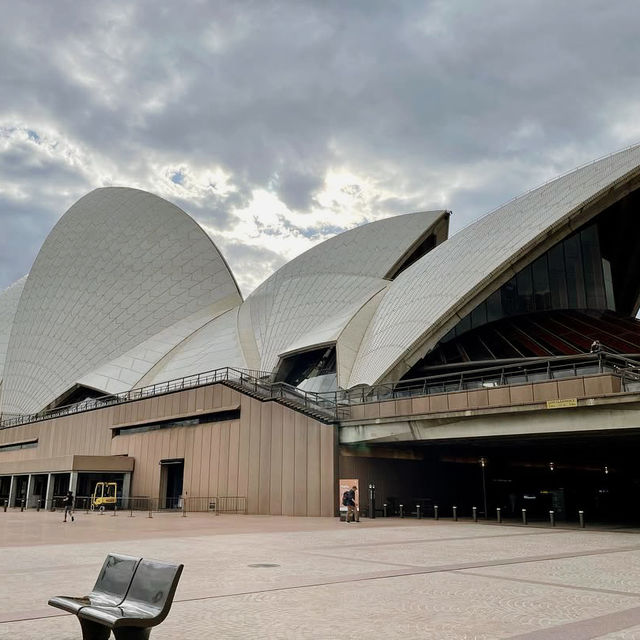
<point x="146" y="603"/>
<point x="110" y="588"/>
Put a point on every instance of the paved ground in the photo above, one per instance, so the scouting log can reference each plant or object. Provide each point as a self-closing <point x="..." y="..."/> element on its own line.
<point x="382" y="578"/>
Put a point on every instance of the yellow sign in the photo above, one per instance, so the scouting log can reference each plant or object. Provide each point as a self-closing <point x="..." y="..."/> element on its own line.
<point x="562" y="404"/>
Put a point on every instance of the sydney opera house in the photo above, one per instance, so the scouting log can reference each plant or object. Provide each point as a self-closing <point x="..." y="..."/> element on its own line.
<point x="498" y="367"/>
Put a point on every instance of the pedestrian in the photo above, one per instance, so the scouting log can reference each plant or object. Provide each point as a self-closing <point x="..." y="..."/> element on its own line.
<point x="68" y="506"/>
<point x="351" y="505"/>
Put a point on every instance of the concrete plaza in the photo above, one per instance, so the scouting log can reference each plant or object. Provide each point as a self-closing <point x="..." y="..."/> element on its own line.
<point x="384" y="578"/>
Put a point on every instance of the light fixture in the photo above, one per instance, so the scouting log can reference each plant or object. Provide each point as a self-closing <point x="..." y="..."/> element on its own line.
<point x="552" y="466"/>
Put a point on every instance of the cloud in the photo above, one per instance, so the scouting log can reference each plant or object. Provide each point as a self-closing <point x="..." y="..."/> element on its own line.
<point x="275" y="123"/>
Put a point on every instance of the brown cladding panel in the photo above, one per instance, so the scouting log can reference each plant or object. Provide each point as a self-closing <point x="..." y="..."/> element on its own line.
<point x="288" y="461"/>
<point x="327" y="469"/>
<point x="223" y="468"/>
<point x="571" y="388"/>
<point x="265" y="457"/>
<point x="196" y="470"/>
<point x="253" y="492"/>
<point x="205" y="452"/>
<point x="543" y="391"/>
<point x="300" y="470"/>
<point x="314" y="476"/>
<point x="243" y="447"/>
<point x="214" y="460"/>
<point x="200" y="399"/>
<point x="234" y="452"/>
<point x="275" y="482"/>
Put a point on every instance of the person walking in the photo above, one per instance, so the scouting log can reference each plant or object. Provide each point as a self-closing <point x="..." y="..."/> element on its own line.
<point x="68" y="506"/>
<point x="351" y="505"/>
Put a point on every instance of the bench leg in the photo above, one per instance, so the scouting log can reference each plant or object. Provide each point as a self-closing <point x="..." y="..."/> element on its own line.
<point x="93" y="630"/>
<point x="132" y="633"/>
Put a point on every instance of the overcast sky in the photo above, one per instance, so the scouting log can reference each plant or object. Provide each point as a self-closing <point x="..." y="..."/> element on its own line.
<point x="278" y="124"/>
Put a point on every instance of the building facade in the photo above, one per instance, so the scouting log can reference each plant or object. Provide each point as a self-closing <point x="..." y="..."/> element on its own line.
<point x="495" y="367"/>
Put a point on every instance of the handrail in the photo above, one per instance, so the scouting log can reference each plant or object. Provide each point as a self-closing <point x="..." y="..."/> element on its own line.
<point x="335" y="404"/>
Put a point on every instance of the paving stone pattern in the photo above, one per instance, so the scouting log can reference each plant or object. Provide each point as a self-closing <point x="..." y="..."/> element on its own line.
<point x="383" y="578"/>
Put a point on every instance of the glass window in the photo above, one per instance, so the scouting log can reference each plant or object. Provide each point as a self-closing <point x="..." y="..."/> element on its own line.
<point x="592" y="265"/>
<point x="524" y="284"/>
<point x="541" y="288"/>
<point x="494" y="306"/>
<point x="575" y="278"/>
<point x="608" y="284"/>
<point x="557" y="277"/>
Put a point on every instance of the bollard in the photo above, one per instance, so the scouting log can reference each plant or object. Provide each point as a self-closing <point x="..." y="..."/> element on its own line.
<point x="184" y="508"/>
<point x="475" y="514"/>
<point x="6" y="504"/>
<point x="524" y="516"/>
<point x="21" y="506"/>
<point x="418" y="512"/>
<point x="150" y="507"/>
<point x="435" y="512"/>
<point x="115" y="511"/>
<point x="455" y="514"/>
<point x="499" y="514"/>
<point x="130" y="508"/>
<point x="581" y="518"/>
<point x="38" y="505"/>
<point x="384" y="510"/>
<point x="402" y="511"/>
<point x="552" y="518"/>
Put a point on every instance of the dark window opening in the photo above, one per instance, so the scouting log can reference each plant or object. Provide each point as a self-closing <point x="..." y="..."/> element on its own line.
<point x="16" y="446"/>
<point x="76" y="394"/>
<point x="310" y="364"/>
<point x="421" y="250"/>
<point x="191" y="421"/>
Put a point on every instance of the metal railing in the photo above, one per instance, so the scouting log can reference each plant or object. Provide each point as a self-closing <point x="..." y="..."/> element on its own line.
<point x="334" y="405"/>
<point x="560" y="367"/>
<point x="324" y="405"/>
<point x="182" y="505"/>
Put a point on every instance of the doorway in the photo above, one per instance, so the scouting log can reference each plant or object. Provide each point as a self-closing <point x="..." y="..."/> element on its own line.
<point x="171" y="478"/>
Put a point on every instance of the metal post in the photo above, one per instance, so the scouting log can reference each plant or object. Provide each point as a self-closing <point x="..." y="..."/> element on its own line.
<point x="524" y="516"/>
<point x="115" y="510"/>
<point x="455" y="514"/>
<point x="22" y="505"/>
<point x="372" y="500"/>
<point x="150" y="507"/>
<point x="499" y="514"/>
<point x="38" y="505"/>
<point x="418" y="513"/>
<point x="184" y="507"/>
<point x="581" y="518"/>
<point x="402" y="511"/>
<point x="552" y="518"/>
<point x="130" y="507"/>
<point x="435" y="512"/>
<point x="483" y="464"/>
<point x="475" y="514"/>
<point x="6" y="504"/>
<point x="384" y="510"/>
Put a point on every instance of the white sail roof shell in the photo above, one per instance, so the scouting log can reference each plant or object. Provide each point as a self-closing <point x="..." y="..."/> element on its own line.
<point x="119" y="267"/>
<point x="427" y="294"/>
<point x="311" y="299"/>
<point x="9" y="299"/>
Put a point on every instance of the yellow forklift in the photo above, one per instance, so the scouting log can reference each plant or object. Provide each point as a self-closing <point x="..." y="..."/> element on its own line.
<point x="105" y="494"/>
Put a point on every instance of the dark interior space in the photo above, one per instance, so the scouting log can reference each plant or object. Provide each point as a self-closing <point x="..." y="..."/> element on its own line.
<point x="598" y="474"/>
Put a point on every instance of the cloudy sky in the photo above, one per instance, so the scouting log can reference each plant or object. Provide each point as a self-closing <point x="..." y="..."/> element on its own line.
<point x="277" y="124"/>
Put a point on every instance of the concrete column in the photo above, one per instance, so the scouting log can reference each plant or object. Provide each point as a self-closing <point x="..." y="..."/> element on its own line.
<point x="73" y="481"/>
<point x="48" y="494"/>
<point x="28" y="496"/>
<point x="12" y="491"/>
<point x="126" y="486"/>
